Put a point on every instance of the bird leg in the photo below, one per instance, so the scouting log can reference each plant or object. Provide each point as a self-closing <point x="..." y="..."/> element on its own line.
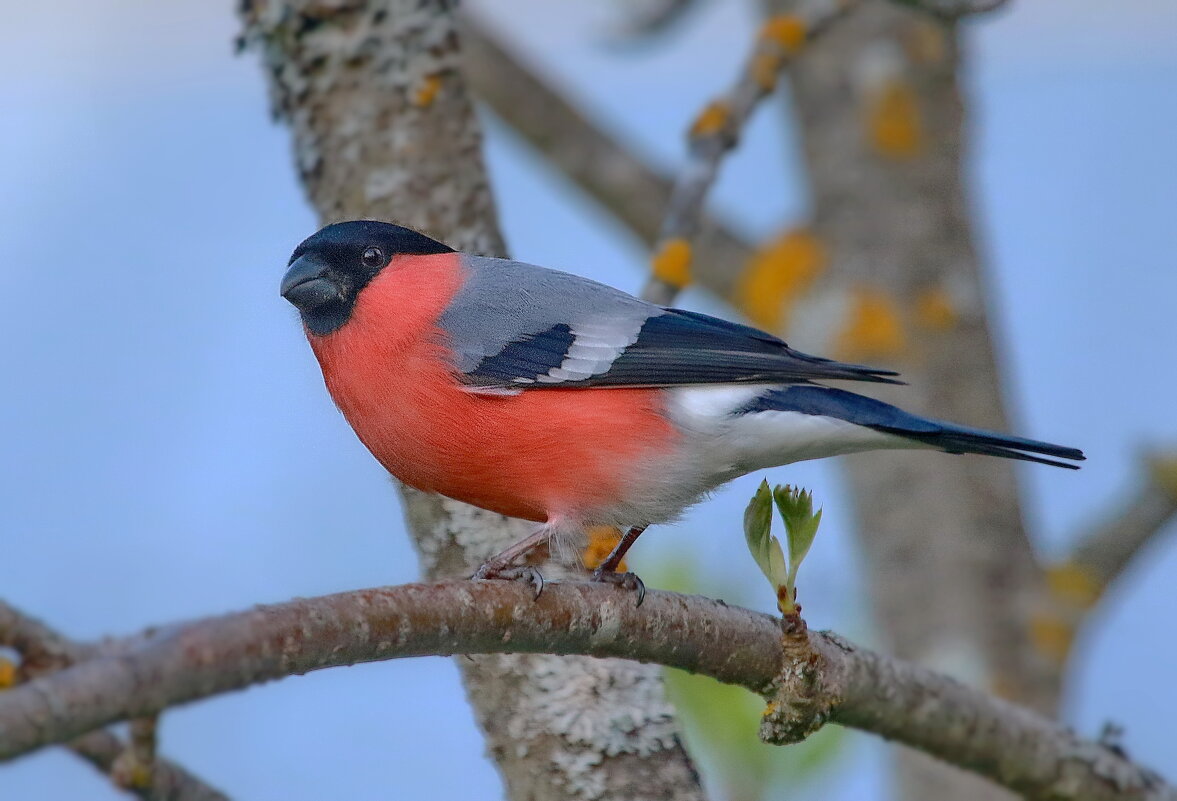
<point x="607" y="570"/>
<point x="499" y="566"/>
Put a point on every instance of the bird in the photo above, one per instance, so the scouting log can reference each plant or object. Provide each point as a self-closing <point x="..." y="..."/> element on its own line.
<point x="546" y="396"/>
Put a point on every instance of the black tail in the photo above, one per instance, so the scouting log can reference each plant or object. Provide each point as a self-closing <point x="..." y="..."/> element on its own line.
<point x="871" y="413"/>
<point x="960" y="439"/>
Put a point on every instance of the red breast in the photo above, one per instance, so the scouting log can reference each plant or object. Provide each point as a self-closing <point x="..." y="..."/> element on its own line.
<point x="539" y="455"/>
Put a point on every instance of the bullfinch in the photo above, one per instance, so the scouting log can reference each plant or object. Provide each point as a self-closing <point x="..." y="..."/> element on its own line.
<point x="545" y="396"/>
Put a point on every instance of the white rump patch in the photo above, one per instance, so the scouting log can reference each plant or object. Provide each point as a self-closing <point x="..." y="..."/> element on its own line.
<point x="726" y="444"/>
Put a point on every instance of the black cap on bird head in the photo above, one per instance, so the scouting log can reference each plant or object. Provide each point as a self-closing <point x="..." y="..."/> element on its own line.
<point x="327" y="272"/>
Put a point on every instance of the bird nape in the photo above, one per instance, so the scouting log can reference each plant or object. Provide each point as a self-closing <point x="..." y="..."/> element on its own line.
<point x="546" y="396"/>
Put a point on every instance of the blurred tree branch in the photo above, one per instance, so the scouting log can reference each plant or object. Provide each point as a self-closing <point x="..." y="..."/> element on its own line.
<point x="44" y="651"/>
<point x="648" y="18"/>
<point x="951" y="9"/>
<point x="636" y="193"/>
<point x="639" y="19"/>
<point x="809" y="678"/>
<point x="1104" y="552"/>
<point x="383" y="127"/>
<point x="716" y="131"/>
<point x="1100" y="556"/>
<point x="168" y="782"/>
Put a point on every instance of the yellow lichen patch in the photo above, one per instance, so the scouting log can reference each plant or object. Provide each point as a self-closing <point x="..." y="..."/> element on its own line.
<point x="139" y="776"/>
<point x="1073" y="584"/>
<point x="711" y="119"/>
<point x="1163" y="472"/>
<point x="935" y="310"/>
<point x="893" y="122"/>
<point x="427" y="91"/>
<point x="130" y="773"/>
<point x="873" y="326"/>
<point x="602" y="541"/>
<point x="787" y="30"/>
<point x="1052" y="637"/>
<point x="765" y="68"/>
<point x="769" y="709"/>
<point x="777" y="275"/>
<point x="8" y="673"/>
<point x="672" y="263"/>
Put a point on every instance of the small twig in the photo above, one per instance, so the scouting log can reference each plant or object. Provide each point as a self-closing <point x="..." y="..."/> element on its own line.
<point x="1076" y="583"/>
<point x="717" y="130"/>
<point x="627" y="186"/>
<point x="44" y="651"/>
<point x="842" y="683"/>
<point x="135" y="766"/>
<point x="41" y="648"/>
<point x="169" y="781"/>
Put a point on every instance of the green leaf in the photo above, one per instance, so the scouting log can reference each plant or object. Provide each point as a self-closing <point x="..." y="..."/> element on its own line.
<point x="765" y="548"/>
<point x="757" y="525"/>
<point x="721" y="720"/>
<point x="801" y="524"/>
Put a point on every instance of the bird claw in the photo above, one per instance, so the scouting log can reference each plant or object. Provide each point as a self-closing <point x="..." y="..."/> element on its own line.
<point x="524" y="573"/>
<point x="626" y="581"/>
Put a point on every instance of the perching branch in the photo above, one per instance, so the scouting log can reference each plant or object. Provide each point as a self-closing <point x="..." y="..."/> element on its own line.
<point x="43" y="651"/>
<point x="716" y="131"/>
<point x="809" y="677"/>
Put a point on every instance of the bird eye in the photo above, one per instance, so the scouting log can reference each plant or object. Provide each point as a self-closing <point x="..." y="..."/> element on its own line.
<point x="373" y="258"/>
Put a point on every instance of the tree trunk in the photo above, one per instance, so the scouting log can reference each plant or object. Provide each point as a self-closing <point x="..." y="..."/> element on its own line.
<point x="952" y="575"/>
<point x="383" y="127"/>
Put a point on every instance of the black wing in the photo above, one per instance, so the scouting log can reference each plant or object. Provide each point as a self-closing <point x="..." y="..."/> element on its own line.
<point x="669" y="348"/>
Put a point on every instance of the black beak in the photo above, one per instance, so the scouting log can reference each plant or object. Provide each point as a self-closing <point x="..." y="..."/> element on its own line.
<point x="307" y="286"/>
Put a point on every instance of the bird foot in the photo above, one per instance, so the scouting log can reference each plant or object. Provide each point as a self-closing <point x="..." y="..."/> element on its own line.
<point x="523" y="573"/>
<point x="626" y="581"/>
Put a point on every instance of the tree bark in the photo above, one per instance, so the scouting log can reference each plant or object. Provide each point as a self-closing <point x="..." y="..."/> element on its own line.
<point x="383" y="127"/>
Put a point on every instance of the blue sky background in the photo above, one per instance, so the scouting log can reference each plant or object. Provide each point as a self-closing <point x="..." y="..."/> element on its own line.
<point x="163" y="415"/>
